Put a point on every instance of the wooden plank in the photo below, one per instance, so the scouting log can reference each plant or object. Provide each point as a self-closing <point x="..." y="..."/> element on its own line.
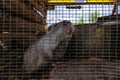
<point x="19" y="9"/>
<point x="40" y="5"/>
<point x="9" y="36"/>
<point x="1" y="13"/>
<point x="11" y="40"/>
<point x="109" y="18"/>
<point x="51" y="7"/>
<point x="14" y="24"/>
<point x="90" y="69"/>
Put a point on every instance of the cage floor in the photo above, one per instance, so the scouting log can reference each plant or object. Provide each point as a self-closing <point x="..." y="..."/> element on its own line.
<point x="87" y="69"/>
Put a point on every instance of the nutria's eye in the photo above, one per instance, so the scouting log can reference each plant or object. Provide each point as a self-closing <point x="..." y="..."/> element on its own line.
<point x="67" y="23"/>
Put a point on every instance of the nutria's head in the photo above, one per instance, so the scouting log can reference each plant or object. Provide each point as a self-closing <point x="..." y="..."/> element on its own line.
<point x="68" y="28"/>
<point x="65" y="28"/>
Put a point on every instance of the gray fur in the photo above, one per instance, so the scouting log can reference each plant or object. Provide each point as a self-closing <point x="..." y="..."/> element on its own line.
<point x="39" y="53"/>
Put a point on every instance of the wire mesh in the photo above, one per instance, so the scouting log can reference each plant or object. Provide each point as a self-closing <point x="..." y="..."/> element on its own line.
<point x="45" y="41"/>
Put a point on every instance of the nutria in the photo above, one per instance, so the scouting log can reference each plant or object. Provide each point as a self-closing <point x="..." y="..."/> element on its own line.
<point x="41" y="52"/>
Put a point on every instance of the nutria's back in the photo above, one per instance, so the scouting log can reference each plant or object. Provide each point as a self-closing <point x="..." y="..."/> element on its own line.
<point x="39" y="53"/>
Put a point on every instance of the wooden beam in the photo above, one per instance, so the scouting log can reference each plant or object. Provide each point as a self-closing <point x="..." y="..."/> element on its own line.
<point x="17" y="36"/>
<point x="14" y="24"/>
<point x="1" y="13"/>
<point x="40" y="5"/>
<point x="19" y="9"/>
<point x="109" y="18"/>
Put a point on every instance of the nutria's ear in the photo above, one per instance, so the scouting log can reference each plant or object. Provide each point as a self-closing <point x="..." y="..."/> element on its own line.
<point x="52" y="26"/>
<point x="49" y="28"/>
<point x="66" y="22"/>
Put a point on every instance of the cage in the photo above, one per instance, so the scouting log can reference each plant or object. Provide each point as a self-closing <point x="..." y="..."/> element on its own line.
<point x="59" y="40"/>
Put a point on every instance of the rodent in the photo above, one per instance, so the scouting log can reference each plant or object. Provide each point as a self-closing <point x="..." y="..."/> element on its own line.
<point x="41" y="52"/>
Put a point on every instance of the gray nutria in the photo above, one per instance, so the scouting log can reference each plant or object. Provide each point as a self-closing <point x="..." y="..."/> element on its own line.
<point x="41" y="52"/>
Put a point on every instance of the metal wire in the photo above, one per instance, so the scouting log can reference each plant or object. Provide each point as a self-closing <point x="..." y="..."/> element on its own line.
<point x="92" y="53"/>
